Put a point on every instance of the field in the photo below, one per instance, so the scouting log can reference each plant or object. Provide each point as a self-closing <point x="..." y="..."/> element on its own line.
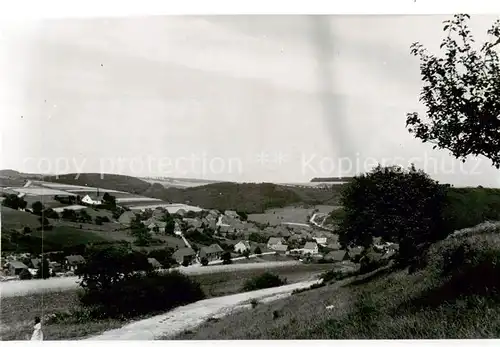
<point x="46" y="200"/>
<point x="278" y="216"/>
<point x="17" y="312"/>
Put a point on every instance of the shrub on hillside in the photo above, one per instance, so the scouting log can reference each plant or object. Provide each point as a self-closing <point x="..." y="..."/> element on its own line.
<point x="463" y="267"/>
<point x="265" y="280"/>
<point x="402" y="206"/>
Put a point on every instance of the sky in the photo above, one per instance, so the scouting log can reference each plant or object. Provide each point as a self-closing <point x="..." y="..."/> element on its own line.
<point x="239" y="98"/>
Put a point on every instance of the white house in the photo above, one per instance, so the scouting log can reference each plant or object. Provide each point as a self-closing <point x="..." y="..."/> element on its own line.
<point x="242" y="246"/>
<point x="321" y="240"/>
<point x="88" y="200"/>
<point x="310" y="248"/>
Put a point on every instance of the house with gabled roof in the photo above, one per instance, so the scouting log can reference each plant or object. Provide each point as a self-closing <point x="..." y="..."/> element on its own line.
<point x="15" y="267"/>
<point x="242" y="246"/>
<point x="280" y="248"/>
<point x="212" y="252"/>
<point x="184" y="254"/>
<point x="35" y="262"/>
<point x="274" y="242"/>
<point x="71" y="262"/>
<point x="337" y="256"/>
<point x="310" y="248"/>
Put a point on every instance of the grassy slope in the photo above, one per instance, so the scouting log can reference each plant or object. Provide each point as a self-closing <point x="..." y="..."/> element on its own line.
<point x="394" y="305"/>
<point x="17" y="219"/>
<point x="16" y="313"/>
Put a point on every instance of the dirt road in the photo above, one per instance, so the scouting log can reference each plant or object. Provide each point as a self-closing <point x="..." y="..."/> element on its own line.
<point x="192" y="315"/>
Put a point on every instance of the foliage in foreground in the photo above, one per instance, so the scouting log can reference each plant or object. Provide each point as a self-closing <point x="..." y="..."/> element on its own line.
<point x="120" y="283"/>
<point x="461" y="93"/>
<point x="402" y="206"/>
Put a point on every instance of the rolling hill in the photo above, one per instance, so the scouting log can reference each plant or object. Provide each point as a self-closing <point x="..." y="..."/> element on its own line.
<point x="248" y="197"/>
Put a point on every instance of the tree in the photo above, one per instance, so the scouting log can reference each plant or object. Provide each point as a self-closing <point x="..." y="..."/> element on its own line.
<point x="257" y="250"/>
<point x="402" y="206"/>
<point x="69" y="214"/>
<point x="105" y="266"/>
<point x="226" y="258"/>
<point x="170" y="226"/>
<point x="164" y="256"/>
<point x="246" y="253"/>
<point x="461" y="93"/>
<point x="258" y="238"/>
<point x="84" y="217"/>
<point x="43" y="270"/>
<point x="37" y="207"/>
<point x="243" y="215"/>
<point x="14" y="202"/>
<point x="26" y="230"/>
<point x="50" y="213"/>
<point x="204" y="261"/>
<point x="109" y="200"/>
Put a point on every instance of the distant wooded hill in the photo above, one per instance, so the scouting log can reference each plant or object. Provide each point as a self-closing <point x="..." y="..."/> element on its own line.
<point x="331" y="179"/>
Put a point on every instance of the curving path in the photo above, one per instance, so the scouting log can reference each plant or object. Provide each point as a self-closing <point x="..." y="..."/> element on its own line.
<point x="192" y="315"/>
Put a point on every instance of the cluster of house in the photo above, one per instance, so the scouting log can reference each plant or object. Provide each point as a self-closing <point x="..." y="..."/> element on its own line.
<point x="15" y="265"/>
<point x="188" y="255"/>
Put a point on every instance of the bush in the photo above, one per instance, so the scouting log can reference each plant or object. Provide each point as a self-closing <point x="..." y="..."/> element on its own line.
<point x="266" y="280"/>
<point x="226" y="258"/>
<point x="50" y="213"/>
<point x="257" y="238"/>
<point x="141" y="294"/>
<point x="25" y="275"/>
<point x="115" y="286"/>
<point x="402" y="206"/>
<point x="257" y="250"/>
<point x="204" y="261"/>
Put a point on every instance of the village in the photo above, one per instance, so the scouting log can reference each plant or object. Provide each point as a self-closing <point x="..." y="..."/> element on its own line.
<point x="200" y="237"/>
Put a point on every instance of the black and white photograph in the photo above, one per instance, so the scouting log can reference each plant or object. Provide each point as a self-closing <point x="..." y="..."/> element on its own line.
<point x="250" y="177"/>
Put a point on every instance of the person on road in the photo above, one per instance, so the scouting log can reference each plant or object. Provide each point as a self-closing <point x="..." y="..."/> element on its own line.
<point x="37" y="330"/>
